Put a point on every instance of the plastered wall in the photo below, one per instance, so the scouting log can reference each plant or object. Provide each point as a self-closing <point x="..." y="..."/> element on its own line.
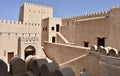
<point x="62" y="52"/>
<point x="89" y="62"/>
<point x="33" y="13"/>
<point x="10" y="31"/>
<point x="89" y="30"/>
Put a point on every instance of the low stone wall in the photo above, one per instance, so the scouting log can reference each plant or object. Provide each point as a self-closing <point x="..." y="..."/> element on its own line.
<point x="88" y="62"/>
<point x="61" y="53"/>
<point x="110" y="60"/>
<point x="37" y="67"/>
<point x="109" y="70"/>
<point x="109" y="66"/>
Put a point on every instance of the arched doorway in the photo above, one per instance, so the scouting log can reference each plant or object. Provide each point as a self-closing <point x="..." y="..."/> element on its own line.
<point x="29" y="50"/>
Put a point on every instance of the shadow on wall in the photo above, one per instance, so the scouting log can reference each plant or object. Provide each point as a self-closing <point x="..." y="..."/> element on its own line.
<point x="32" y="67"/>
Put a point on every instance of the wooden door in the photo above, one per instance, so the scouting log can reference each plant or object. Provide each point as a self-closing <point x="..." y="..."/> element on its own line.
<point x="10" y="56"/>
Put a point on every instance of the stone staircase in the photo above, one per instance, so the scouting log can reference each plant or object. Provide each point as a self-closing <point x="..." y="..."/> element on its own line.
<point x="63" y="38"/>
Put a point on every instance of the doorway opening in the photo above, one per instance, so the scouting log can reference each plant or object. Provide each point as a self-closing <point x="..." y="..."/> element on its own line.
<point x="101" y="42"/>
<point x="29" y="50"/>
<point x="53" y="39"/>
<point x="57" y="27"/>
<point x="86" y="44"/>
<point x="10" y="56"/>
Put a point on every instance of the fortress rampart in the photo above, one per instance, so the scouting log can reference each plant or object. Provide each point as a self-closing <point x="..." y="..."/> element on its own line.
<point x="18" y="22"/>
<point x="36" y="5"/>
<point x="19" y="27"/>
<point x="99" y="14"/>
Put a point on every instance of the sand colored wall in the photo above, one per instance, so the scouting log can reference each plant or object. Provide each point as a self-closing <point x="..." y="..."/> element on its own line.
<point x="69" y="24"/>
<point x="70" y="20"/>
<point x="10" y="31"/>
<point x="52" y="23"/>
<point x="68" y="32"/>
<point x="109" y="66"/>
<point x="115" y="27"/>
<point x="44" y="30"/>
<point x="62" y="52"/>
<point x="47" y="25"/>
<point x="30" y="41"/>
<point x="89" y="30"/>
<point x="89" y="62"/>
<point x="33" y="13"/>
<point x="59" y="40"/>
<point x="18" y="27"/>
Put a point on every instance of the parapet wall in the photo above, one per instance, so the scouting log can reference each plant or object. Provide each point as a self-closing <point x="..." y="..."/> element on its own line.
<point x="19" y="27"/>
<point x="99" y="14"/>
<point x="36" y="5"/>
<point x="109" y="66"/>
<point x="86" y="62"/>
<point x="63" y="52"/>
<point x="110" y="60"/>
<point x="115" y="7"/>
<point x="18" y="22"/>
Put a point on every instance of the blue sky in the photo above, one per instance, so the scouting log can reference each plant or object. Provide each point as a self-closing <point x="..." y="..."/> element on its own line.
<point x="62" y="8"/>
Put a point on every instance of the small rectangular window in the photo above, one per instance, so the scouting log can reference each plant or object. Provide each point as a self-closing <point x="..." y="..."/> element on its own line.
<point x="101" y="41"/>
<point x="53" y="39"/>
<point x="53" y="28"/>
<point x="57" y="27"/>
<point x="10" y="56"/>
<point x="86" y="44"/>
<point x="46" y="28"/>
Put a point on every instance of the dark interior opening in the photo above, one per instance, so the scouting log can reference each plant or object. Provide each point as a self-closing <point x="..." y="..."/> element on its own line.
<point x="57" y="27"/>
<point x="101" y="42"/>
<point x="10" y="56"/>
<point x="30" y="50"/>
<point x="52" y="28"/>
<point x="86" y="44"/>
<point x="53" y="39"/>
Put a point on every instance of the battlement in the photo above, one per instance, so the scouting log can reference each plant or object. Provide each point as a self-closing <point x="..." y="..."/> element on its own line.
<point x="10" y="22"/>
<point x="99" y="14"/>
<point x="35" y="5"/>
<point x="115" y="7"/>
<point x="17" y="22"/>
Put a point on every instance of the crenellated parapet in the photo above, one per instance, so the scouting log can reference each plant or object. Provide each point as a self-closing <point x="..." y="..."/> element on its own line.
<point x="36" y="5"/>
<point x="10" y="22"/>
<point x="115" y="7"/>
<point x="18" y="23"/>
<point x="99" y="14"/>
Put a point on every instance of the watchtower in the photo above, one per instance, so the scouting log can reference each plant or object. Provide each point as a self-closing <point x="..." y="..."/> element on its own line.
<point x="33" y="13"/>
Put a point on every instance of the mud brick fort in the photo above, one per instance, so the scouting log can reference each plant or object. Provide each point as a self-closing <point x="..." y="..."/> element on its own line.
<point x="39" y="44"/>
